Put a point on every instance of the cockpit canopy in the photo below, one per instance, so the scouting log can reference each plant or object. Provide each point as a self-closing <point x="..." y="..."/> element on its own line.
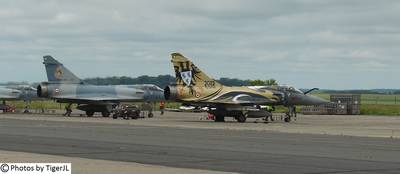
<point x="150" y="87"/>
<point x="291" y="89"/>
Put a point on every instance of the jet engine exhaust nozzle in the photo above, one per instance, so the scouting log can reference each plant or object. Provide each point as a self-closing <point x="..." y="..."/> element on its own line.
<point x="42" y="90"/>
<point x="171" y="93"/>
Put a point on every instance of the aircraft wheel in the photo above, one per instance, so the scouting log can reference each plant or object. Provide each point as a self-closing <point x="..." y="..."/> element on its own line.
<point x="241" y="118"/>
<point x="105" y="114"/>
<point x="287" y="119"/>
<point x="115" y="116"/>
<point x="136" y="115"/>
<point x="219" y="118"/>
<point x="90" y="113"/>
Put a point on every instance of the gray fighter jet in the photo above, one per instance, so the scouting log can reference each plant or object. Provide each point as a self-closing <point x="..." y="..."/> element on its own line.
<point x="25" y="93"/>
<point x="9" y="94"/>
<point x="65" y="87"/>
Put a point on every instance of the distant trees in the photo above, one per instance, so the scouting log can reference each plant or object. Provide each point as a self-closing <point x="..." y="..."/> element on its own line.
<point x="161" y="80"/>
<point x="233" y="82"/>
<point x="269" y="82"/>
<point x="164" y="80"/>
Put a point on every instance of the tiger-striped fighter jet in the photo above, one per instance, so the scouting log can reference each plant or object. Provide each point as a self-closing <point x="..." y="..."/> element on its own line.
<point x="65" y="87"/>
<point x="194" y="87"/>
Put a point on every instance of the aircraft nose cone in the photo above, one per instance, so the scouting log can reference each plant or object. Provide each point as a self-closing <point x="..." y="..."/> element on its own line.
<point x="312" y="100"/>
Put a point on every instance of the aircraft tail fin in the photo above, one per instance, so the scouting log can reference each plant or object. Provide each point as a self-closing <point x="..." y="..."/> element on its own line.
<point x="57" y="73"/>
<point x="188" y="74"/>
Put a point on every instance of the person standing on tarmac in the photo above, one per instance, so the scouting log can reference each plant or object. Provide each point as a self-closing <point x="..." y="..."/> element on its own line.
<point x="162" y="107"/>
<point x="68" y="110"/>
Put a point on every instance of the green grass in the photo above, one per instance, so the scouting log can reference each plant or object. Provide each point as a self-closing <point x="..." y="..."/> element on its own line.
<point x="47" y="104"/>
<point x="383" y="99"/>
<point x="380" y="99"/>
<point x="380" y="109"/>
<point x="375" y="104"/>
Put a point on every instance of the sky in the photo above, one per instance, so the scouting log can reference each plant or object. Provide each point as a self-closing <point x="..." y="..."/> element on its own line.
<point x="331" y="44"/>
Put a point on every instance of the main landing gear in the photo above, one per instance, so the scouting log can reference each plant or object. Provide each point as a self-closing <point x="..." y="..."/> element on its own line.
<point x="291" y="114"/>
<point x="105" y="114"/>
<point x="219" y="118"/>
<point x="90" y="113"/>
<point x="241" y="118"/>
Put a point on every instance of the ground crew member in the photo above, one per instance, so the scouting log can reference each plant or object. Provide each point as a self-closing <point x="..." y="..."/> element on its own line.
<point x="162" y="107"/>
<point x="68" y="110"/>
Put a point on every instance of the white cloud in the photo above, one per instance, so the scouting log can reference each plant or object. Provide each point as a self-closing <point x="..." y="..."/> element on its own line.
<point x="65" y="18"/>
<point x="10" y="12"/>
<point x="305" y="43"/>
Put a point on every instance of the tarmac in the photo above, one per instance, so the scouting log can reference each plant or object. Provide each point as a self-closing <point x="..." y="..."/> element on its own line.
<point x="189" y="143"/>
<point x="83" y="165"/>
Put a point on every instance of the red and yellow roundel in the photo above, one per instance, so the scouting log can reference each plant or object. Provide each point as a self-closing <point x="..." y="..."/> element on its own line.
<point x="59" y="73"/>
<point x="198" y="94"/>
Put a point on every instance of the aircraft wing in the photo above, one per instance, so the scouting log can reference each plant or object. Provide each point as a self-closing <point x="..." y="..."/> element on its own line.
<point x="7" y="97"/>
<point x="9" y="94"/>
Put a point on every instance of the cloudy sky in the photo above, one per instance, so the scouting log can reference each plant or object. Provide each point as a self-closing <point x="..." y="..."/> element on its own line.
<point x="337" y="44"/>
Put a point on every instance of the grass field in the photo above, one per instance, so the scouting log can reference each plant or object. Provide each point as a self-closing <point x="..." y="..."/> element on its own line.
<point x="380" y="109"/>
<point x="375" y="104"/>
<point x="47" y="104"/>
<point x="371" y="104"/>
<point x="380" y="99"/>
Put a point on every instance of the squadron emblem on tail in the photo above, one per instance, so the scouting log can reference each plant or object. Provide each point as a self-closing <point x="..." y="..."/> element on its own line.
<point x="59" y="73"/>
<point x="186" y="77"/>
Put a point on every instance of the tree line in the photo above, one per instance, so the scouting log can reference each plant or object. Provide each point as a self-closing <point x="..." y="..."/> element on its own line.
<point x="164" y="80"/>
